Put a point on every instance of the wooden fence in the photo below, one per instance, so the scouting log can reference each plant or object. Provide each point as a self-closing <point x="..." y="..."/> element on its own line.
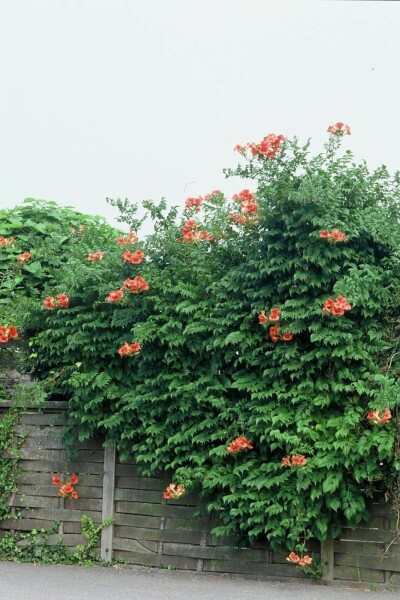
<point x="149" y="531"/>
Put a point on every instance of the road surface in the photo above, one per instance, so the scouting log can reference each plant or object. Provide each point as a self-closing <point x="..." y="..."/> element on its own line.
<point x="30" y="582"/>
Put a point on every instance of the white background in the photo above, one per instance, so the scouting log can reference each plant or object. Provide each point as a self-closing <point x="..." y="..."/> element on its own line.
<point x="144" y="99"/>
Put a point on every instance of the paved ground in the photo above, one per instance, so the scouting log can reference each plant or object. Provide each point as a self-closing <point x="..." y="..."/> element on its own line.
<point x="30" y="582"/>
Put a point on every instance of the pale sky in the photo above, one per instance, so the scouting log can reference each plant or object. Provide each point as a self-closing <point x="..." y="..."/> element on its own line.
<point x="144" y="99"/>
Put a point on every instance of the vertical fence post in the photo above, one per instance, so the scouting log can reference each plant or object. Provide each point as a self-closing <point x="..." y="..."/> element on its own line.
<point x="107" y="533"/>
<point x="327" y="560"/>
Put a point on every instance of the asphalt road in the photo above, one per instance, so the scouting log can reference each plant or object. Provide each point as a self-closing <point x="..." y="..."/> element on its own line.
<point x="30" y="582"/>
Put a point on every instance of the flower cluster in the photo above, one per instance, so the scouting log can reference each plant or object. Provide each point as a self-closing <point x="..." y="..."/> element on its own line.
<point x="191" y="233"/>
<point x="7" y="333"/>
<point x="115" y="296"/>
<point x="135" y="285"/>
<point x="24" y="257"/>
<point x="131" y="238"/>
<point x="248" y="208"/>
<point x="134" y="258"/>
<point x="378" y="419"/>
<point x="67" y="489"/>
<point x="268" y="147"/>
<point x="59" y="301"/>
<point x="334" y="236"/>
<point x="95" y="256"/>
<point x="174" y="491"/>
<point x="339" y="129"/>
<point x="213" y="194"/>
<point x="296" y="559"/>
<point x="336" y="307"/>
<point x="294" y="461"/>
<point x="194" y="203"/>
<point x="273" y="316"/>
<point x="237" y="444"/>
<point x="6" y="241"/>
<point x="276" y="335"/>
<point x="129" y="349"/>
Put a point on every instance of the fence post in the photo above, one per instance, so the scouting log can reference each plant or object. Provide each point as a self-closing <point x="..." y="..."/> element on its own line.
<point x="327" y="560"/>
<point x="107" y="534"/>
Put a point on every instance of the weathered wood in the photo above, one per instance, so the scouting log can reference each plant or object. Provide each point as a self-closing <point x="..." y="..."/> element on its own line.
<point x="108" y="502"/>
<point x="361" y="575"/>
<point x="43" y="478"/>
<point x="188" y="524"/>
<point x="160" y="510"/>
<point x="135" y="495"/>
<point x="161" y="535"/>
<point x="137" y="521"/>
<point x="214" y="552"/>
<point x="140" y="483"/>
<point x="327" y="560"/>
<point x="369" y="535"/>
<point x="366" y="548"/>
<point x="381" y="563"/>
<point x="54" y="466"/>
<point x="43" y="419"/>
<point x="157" y="560"/>
<point x="253" y="568"/>
<point x="60" y="514"/>
<point x="142" y="546"/>
<point x="51" y="490"/>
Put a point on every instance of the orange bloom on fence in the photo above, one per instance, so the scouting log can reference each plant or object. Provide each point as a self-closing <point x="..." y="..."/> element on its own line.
<point x="174" y="491"/>
<point x="7" y="333"/>
<point x="67" y="489"/>
<point x="336" y="307"/>
<point x="300" y="561"/>
<point x="334" y="236"/>
<point x="24" y="257"/>
<point x="95" y="256"/>
<point x="294" y="460"/>
<point x="129" y="349"/>
<point x="59" y="301"/>
<point x="378" y="419"/>
<point x="339" y="129"/>
<point x="239" y="443"/>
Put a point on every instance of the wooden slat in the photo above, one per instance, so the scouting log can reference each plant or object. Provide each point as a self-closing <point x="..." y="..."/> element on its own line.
<point x="157" y="560"/>
<point x="360" y="575"/>
<point x="253" y="568"/>
<point x="159" y="535"/>
<point x="52" y="491"/>
<point x="140" y="483"/>
<point x="382" y="563"/>
<point x="130" y="545"/>
<point x="366" y="548"/>
<point x="137" y="521"/>
<point x="158" y="510"/>
<point x="43" y="478"/>
<point x="54" y="466"/>
<point x="61" y="514"/>
<point x="369" y="535"/>
<point x="214" y="552"/>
